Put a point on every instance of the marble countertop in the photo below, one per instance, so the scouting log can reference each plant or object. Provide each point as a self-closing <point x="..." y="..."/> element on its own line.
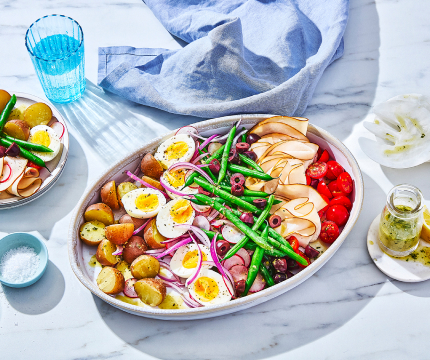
<point x="347" y="310"/>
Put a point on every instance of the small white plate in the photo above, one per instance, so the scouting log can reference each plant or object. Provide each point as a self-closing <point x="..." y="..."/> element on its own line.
<point x="406" y="271"/>
<point x="56" y="166"/>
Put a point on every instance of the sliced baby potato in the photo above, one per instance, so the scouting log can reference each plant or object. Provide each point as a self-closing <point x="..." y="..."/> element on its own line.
<point x="17" y="129"/>
<point x="124" y="268"/>
<point x="151" y="291"/>
<point x="104" y="253"/>
<point x="119" y="233"/>
<point x="109" y="195"/>
<point x="133" y="248"/>
<point x="100" y="212"/>
<point x="152" y="182"/>
<point x="17" y="113"/>
<point x="151" y="167"/>
<point x="152" y="236"/>
<point x="123" y="189"/>
<point x="37" y="114"/>
<point x="4" y="99"/>
<point x="110" y="280"/>
<point x="92" y="232"/>
<point x="145" y="266"/>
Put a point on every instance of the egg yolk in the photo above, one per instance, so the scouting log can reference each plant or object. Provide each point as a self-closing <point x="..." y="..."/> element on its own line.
<point x="146" y="202"/>
<point x="176" y="150"/>
<point x="176" y="178"/>
<point x="206" y="288"/>
<point x="191" y="259"/>
<point x="181" y="211"/>
<point x="41" y="137"/>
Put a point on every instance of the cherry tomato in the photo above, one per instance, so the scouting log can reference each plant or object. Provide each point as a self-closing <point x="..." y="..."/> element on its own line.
<point x="322" y="213"/>
<point x="334" y="169"/>
<point x="304" y="257"/>
<point x="326" y="199"/>
<point x="344" y="183"/>
<point x="294" y="243"/>
<point x="33" y="165"/>
<point x="342" y="200"/>
<point x="317" y="170"/>
<point x="335" y="191"/>
<point x="323" y="189"/>
<point x="338" y="214"/>
<point x="329" y="232"/>
<point x="308" y="180"/>
<point x="324" y="157"/>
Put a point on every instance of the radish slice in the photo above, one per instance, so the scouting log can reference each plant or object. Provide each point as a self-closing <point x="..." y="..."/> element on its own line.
<point x="258" y="284"/>
<point x="232" y="234"/>
<point x="239" y="272"/>
<point x="6" y="174"/>
<point x="212" y="215"/>
<point x="245" y="256"/>
<point x="187" y="130"/>
<point x="218" y="223"/>
<point x="129" y="288"/>
<point x="214" y="147"/>
<point x="201" y="222"/>
<point x="58" y="128"/>
<point x="201" y="208"/>
<point x="233" y="261"/>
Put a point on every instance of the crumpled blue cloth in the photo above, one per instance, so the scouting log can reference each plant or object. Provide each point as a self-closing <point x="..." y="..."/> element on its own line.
<point x="243" y="56"/>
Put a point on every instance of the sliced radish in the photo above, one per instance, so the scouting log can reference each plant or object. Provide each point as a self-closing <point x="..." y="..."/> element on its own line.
<point x="6" y="173"/>
<point x="213" y="215"/>
<point x="218" y="223"/>
<point x="258" y="284"/>
<point x="201" y="208"/>
<point x="58" y="128"/>
<point x="234" y="260"/>
<point x="187" y="130"/>
<point x="245" y="256"/>
<point x="201" y="222"/>
<point x="239" y="272"/>
<point x="129" y="288"/>
<point x="214" y="147"/>
<point x="232" y="234"/>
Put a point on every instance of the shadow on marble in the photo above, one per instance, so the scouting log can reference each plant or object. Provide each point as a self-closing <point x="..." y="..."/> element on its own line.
<point x="40" y="297"/>
<point x="44" y="212"/>
<point x="339" y="291"/>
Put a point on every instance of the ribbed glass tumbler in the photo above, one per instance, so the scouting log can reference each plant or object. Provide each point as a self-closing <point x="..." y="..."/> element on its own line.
<point x="56" y="47"/>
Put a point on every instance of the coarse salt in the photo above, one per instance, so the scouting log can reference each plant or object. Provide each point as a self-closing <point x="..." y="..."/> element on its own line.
<point x="19" y="265"/>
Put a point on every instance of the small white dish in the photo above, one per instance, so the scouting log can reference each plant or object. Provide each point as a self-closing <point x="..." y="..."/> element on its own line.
<point x="398" y="269"/>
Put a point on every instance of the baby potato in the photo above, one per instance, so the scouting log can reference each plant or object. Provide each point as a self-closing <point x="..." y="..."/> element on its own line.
<point x="151" y="167"/>
<point x="109" y="195"/>
<point x="17" y="113"/>
<point x="110" y="280"/>
<point x="37" y="114"/>
<point x="153" y="182"/>
<point x="145" y="266"/>
<point x="133" y="248"/>
<point x="104" y="253"/>
<point x="150" y="291"/>
<point x="92" y="232"/>
<point x="124" y="268"/>
<point x="100" y="212"/>
<point x="132" y="220"/>
<point x="17" y="129"/>
<point x="119" y="233"/>
<point x="4" y="99"/>
<point x="123" y="189"/>
<point x="152" y="237"/>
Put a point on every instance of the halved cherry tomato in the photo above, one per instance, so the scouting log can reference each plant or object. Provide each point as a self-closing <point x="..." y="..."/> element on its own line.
<point x="324" y="157"/>
<point x="323" y="189"/>
<point x="326" y="199"/>
<point x="308" y="180"/>
<point x="342" y="200"/>
<point x="329" y="232"/>
<point x="317" y="170"/>
<point x="33" y="165"/>
<point x="294" y="243"/>
<point x="338" y="214"/>
<point x="304" y="257"/>
<point x="334" y="169"/>
<point x="335" y="191"/>
<point x="344" y="183"/>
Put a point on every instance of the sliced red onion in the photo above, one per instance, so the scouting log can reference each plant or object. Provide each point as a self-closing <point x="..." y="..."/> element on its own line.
<point x="218" y="265"/>
<point x="236" y="138"/>
<point x="187" y="130"/>
<point x="196" y="151"/>
<point x="129" y="288"/>
<point x="201" y="208"/>
<point x="201" y="222"/>
<point x="118" y="251"/>
<point x="191" y="279"/>
<point x="230" y="278"/>
<point x="135" y="172"/>
<point x="184" y="295"/>
<point x="198" y="232"/>
<point x="58" y="128"/>
<point x="185" y="165"/>
<point x="140" y="228"/>
<point x="174" y="247"/>
<point x="167" y="268"/>
<point x="207" y="141"/>
<point x="168" y="187"/>
<point x="134" y="177"/>
<point x="247" y="218"/>
<point x="198" y="158"/>
<point x="8" y="176"/>
<point x="154" y="251"/>
<point x="210" y="263"/>
<point x="174" y="239"/>
<point x="212" y="215"/>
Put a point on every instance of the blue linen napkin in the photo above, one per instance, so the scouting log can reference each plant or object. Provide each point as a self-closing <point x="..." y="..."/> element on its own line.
<point x="243" y="56"/>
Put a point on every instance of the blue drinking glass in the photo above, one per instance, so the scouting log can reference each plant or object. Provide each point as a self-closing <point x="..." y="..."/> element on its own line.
<point x="56" y="47"/>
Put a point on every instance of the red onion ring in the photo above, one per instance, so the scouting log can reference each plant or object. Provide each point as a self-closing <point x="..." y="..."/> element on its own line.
<point x="134" y="177"/>
<point x="198" y="232"/>
<point x="191" y="279"/>
<point x="212" y="215"/>
<point x="185" y="165"/>
<point x="174" y="247"/>
<point x="207" y="141"/>
<point x="198" y="158"/>
<point x="196" y="151"/>
<point x="119" y="250"/>
<point x="154" y="251"/>
<point x="140" y="228"/>
<point x="10" y="173"/>
<point x="168" y="187"/>
<point x="236" y="138"/>
<point x="135" y="172"/>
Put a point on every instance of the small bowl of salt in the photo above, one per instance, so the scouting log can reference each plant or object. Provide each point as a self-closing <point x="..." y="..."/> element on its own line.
<point x="23" y="259"/>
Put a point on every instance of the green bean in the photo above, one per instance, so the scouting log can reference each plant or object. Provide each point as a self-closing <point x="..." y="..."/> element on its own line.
<point x="247" y="192"/>
<point x="211" y="234"/>
<point x="243" y="136"/>
<point x="25" y="153"/>
<point x="266" y="275"/>
<point x="249" y="172"/>
<point x="251" y="199"/>
<point x="195" y="201"/>
<point x="26" y="145"/>
<point x="275" y="253"/>
<point x="255" y="227"/>
<point x="225" y="154"/>
<point x="227" y="196"/>
<point x="257" y="258"/>
<point x="250" y="162"/>
<point x="6" y="111"/>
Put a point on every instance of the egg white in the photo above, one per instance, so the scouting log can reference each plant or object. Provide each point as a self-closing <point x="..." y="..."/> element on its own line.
<point x="177" y="259"/>
<point x="55" y="143"/>
<point x="166" y="226"/>
<point x="129" y="202"/>
<point x="161" y="156"/>
<point x="185" y="190"/>
<point x="223" y="294"/>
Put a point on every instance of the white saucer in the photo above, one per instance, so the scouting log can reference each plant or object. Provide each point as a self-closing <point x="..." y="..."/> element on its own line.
<point x="406" y="271"/>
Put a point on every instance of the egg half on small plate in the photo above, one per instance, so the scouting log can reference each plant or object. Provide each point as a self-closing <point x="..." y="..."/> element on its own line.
<point x="143" y="203"/>
<point x="210" y="288"/>
<point x="184" y="262"/>
<point x="175" y="212"/>
<point x="178" y="148"/>
<point x="44" y="135"/>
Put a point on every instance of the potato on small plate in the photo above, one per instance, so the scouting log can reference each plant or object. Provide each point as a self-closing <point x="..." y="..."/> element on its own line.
<point x="110" y="280"/>
<point x="18" y="129"/>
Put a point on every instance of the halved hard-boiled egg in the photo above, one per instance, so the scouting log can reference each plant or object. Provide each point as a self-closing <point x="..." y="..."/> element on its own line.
<point x="184" y="262"/>
<point x="176" y="179"/>
<point x="175" y="212"/>
<point x="143" y="203"/>
<point x="178" y="148"/>
<point x="44" y="135"/>
<point x="210" y="288"/>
